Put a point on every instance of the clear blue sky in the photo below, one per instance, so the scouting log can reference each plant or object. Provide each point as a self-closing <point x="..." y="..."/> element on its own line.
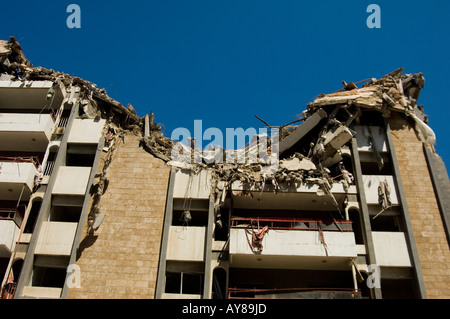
<point x="225" y="61"/>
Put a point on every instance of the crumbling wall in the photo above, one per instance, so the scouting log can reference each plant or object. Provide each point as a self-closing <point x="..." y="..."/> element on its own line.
<point x="429" y="233"/>
<point x="120" y="259"/>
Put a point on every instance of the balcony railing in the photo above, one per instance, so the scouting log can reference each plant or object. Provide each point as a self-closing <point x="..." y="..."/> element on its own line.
<point x="294" y="293"/>
<point x="49" y="168"/>
<point x="11" y="214"/>
<point x="63" y="121"/>
<point x="9" y="290"/>
<point x="11" y="159"/>
<point x="292" y="238"/>
<point x="292" y="224"/>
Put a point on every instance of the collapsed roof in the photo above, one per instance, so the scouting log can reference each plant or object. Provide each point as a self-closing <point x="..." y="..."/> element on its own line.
<point x="307" y="151"/>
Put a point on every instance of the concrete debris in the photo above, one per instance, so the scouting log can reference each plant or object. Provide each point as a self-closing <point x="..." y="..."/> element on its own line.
<point x="296" y="164"/>
<point x="384" y="194"/>
<point x="300" y="131"/>
<point x="243" y="193"/>
<point x="309" y="153"/>
<point x="332" y="141"/>
<point x="347" y="177"/>
<point x="158" y="145"/>
<point x="5" y="48"/>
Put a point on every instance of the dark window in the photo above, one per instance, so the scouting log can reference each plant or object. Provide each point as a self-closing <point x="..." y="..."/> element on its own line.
<point x="69" y="214"/>
<point x="32" y="217"/>
<point x="173" y="283"/>
<point x="80" y="155"/>
<point x="49" y="277"/>
<point x="184" y="283"/>
<point x="190" y="218"/>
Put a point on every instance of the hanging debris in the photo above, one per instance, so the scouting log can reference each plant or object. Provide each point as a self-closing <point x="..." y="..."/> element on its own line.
<point x="384" y="197"/>
<point x="308" y="147"/>
<point x="257" y="236"/>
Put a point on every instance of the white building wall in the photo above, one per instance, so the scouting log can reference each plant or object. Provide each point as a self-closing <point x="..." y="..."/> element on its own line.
<point x="186" y="243"/>
<point x="191" y="185"/>
<point x="18" y="173"/>
<point x="391" y="249"/>
<point x="56" y="238"/>
<point x="71" y="180"/>
<point x="371" y="183"/>
<point x="86" y="131"/>
<point x="23" y="122"/>
<point x="8" y="235"/>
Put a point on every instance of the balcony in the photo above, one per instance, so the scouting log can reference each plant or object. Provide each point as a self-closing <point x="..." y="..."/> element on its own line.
<point x="56" y="239"/>
<point x="25" y="131"/>
<point x="291" y="243"/>
<point x="191" y="185"/>
<point x="71" y="180"/>
<point x="10" y="222"/>
<point x="30" y="95"/>
<point x="41" y="292"/>
<point x="86" y="131"/>
<point x="17" y="175"/>
<point x="186" y="243"/>
<point x="391" y="249"/>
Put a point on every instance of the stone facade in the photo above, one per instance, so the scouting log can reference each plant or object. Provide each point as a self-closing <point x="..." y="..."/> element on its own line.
<point x="120" y="260"/>
<point x="429" y="233"/>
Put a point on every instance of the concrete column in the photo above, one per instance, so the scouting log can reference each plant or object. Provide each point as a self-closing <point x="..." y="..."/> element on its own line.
<point x="207" y="282"/>
<point x="365" y="218"/>
<point x="161" y="279"/>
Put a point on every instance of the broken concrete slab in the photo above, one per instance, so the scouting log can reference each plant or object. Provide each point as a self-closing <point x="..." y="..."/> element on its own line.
<point x="368" y="97"/>
<point x="300" y="131"/>
<point x="336" y="138"/>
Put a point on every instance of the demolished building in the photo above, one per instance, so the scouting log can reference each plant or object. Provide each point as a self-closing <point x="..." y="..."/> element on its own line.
<point x="94" y="205"/>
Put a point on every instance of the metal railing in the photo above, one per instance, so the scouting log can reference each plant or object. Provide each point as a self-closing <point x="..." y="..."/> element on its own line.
<point x="63" y="121"/>
<point x="292" y="224"/>
<point x="49" y="168"/>
<point x="11" y="214"/>
<point x="18" y="159"/>
<point x="9" y="290"/>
